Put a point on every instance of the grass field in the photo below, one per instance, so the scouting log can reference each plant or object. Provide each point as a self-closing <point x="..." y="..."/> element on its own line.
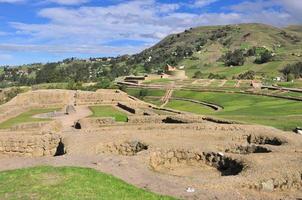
<point x="68" y="183"/>
<point x="108" y="111"/>
<point x="190" y="107"/>
<point x="295" y="84"/>
<point x="279" y="113"/>
<point x="26" y="117"/>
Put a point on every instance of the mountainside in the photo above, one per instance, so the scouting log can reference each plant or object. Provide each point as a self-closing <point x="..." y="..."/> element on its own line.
<point x="244" y="51"/>
<point x="202" y="49"/>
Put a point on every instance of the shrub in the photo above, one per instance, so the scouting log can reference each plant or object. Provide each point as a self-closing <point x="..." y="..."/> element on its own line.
<point x="198" y="75"/>
<point x="235" y="58"/>
<point x="249" y="75"/>
<point x="264" y="57"/>
<point x="216" y="76"/>
<point x="293" y="69"/>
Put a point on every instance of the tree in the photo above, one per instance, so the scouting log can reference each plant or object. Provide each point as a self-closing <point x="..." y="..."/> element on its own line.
<point x="235" y="58"/>
<point x="198" y="75"/>
<point x="293" y="69"/>
<point x="104" y="83"/>
<point x="264" y="57"/>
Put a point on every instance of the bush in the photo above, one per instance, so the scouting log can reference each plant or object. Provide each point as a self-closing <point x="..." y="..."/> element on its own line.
<point x="264" y="57"/>
<point x="235" y="58"/>
<point x="104" y="83"/>
<point x="249" y="75"/>
<point x="293" y="69"/>
<point x="216" y="76"/>
<point x="198" y="75"/>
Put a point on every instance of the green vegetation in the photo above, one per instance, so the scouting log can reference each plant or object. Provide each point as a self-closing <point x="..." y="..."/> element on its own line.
<point x="161" y="80"/>
<point x="26" y="117"/>
<point x="235" y="58"/>
<point x="293" y="70"/>
<point x="198" y="49"/>
<point x="249" y="75"/>
<point x="190" y="107"/>
<point x="250" y="108"/>
<point x="136" y="92"/>
<point x="108" y="111"/>
<point x="295" y="84"/>
<point x="68" y="183"/>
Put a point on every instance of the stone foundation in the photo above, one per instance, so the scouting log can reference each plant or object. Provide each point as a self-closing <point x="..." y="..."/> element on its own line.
<point x="25" y="145"/>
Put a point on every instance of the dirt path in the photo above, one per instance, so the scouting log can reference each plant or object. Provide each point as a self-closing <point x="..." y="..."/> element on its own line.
<point x="68" y="120"/>
<point x="167" y="97"/>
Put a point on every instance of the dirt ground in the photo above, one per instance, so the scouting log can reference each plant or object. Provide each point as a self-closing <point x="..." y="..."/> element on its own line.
<point x="218" y="161"/>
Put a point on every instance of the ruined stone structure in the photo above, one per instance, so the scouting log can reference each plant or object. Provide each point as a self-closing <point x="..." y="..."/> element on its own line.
<point x="169" y="151"/>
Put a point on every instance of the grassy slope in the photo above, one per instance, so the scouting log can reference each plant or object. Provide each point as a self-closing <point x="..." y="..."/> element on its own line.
<point x="68" y="183"/>
<point x="279" y="113"/>
<point x="26" y="117"/>
<point x="207" y="59"/>
<point x="108" y="111"/>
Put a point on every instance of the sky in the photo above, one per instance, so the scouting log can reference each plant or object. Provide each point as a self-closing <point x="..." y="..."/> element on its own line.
<point x="34" y="31"/>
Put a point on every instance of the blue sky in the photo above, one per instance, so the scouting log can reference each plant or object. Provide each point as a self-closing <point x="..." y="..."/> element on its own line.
<point x="50" y="30"/>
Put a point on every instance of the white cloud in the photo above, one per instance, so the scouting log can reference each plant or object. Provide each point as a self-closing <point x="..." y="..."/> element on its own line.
<point x="68" y="2"/>
<point x="202" y="3"/>
<point x="6" y="57"/>
<point x="294" y="7"/>
<point x="63" y="48"/>
<point x="12" y="1"/>
<point x="86" y="29"/>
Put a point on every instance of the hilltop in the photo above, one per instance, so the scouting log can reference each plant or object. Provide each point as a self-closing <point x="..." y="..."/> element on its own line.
<point x="202" y="49"/>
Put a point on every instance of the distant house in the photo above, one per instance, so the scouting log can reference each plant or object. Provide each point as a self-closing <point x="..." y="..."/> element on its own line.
<point x="278" y="78"/>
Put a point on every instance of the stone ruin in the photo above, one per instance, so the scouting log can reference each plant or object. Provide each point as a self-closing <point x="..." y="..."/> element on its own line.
<point x="168" y="144"/>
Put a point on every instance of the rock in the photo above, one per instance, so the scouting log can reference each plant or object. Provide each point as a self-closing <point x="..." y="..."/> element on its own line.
<point x="268" y="186"/>
<point x="70" y="109"/>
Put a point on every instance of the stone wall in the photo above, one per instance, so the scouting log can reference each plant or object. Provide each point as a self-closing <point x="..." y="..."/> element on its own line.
<point x="43" y="98"/>
<point x="100" y="97"/>
<point x="94" y="122"/>
<point x="28" y="144"/>
<point x="28" y="126"/>
<point x="146" y="119"/>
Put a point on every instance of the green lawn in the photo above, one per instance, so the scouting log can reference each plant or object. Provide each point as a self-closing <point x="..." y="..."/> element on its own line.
<point x="26" y="117"/>
<point x="108" y="111"/>
<point x="279" y="113"/>
<point x="190" y="107"/>
<point x="68" y="183"/>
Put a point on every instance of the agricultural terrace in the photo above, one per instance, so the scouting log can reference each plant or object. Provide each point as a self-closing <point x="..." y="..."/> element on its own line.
<point x="246" y="108"/>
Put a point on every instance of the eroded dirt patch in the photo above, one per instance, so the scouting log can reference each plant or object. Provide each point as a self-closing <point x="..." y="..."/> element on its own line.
<point x="248" y="149"/>
<point x="178" y="160"/>
<point x="253" y="139"/>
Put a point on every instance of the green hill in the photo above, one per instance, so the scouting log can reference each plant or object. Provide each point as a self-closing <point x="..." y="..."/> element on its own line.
<point x="202" y="49"/>
<point x="213" y="51"/>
